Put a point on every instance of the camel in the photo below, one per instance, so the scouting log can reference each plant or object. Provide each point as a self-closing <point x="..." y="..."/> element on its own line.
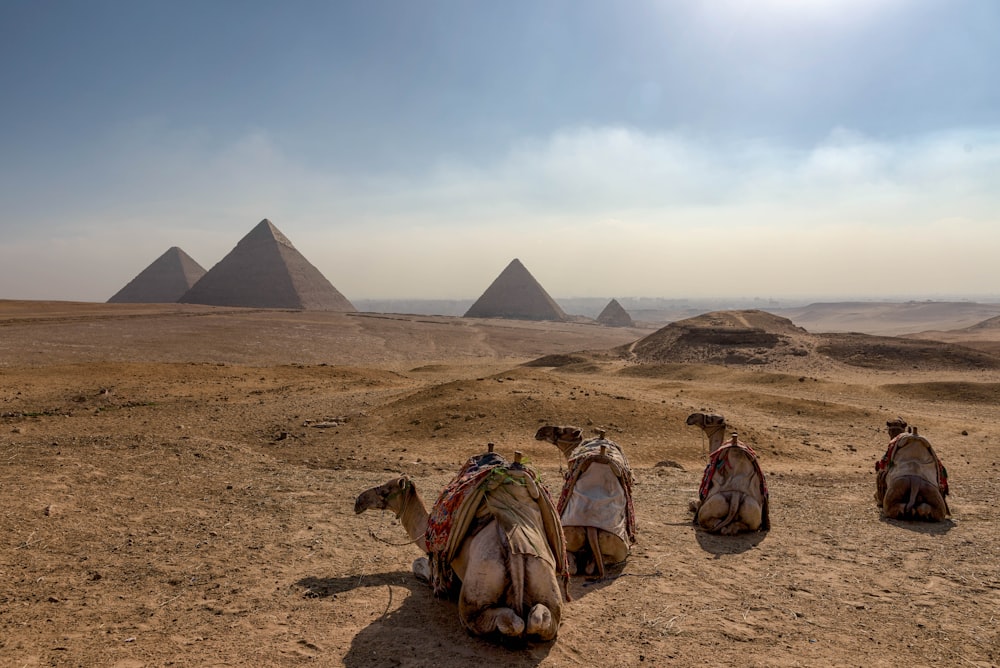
<point x="733" y="495"/>
<point x="911" y="483"/>
<point x="595" y="505"/>
<point x="491" y="538"/>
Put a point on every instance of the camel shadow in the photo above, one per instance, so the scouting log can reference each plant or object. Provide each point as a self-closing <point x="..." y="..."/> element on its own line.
<point x="421" y="631"/>
<point x="920" y="526"/>
<point x="720" y="545"/>
<point x="581" y="585"/>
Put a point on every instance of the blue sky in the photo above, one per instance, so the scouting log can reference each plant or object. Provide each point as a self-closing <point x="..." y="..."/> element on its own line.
<point x="727" y="148"/>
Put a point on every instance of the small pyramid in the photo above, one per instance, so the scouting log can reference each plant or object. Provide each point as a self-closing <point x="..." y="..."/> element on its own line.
<point x="614" y="315"/>
<point x="164" y="281"/>
<point x="515" y="294"/>
<point x="265" y="270"/>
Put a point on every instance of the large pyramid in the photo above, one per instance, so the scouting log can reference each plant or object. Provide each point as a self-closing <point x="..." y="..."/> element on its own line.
<point x="265" y="271"/>
<point x="614" y="315"/>
<point x="517" y="295"/>
<point x="164" y="281"/>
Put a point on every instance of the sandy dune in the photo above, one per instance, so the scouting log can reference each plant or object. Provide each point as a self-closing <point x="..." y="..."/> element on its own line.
<point x="166" y="500"/>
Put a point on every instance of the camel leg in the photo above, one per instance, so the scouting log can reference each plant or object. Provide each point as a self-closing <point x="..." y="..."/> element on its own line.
<point x="613" y="548"/>
<point x="595" y="550"/>
<point x="483" y="587"/>
<point x="575" y="540"/>
<point x="502" y="620"/>
<point x="896" y="496"/>
<point x="751" y="513"/>
<point x="713" y="510"/>
<point x="933" y="506"/>
<point x="543" y="594"/>
<point x="912" y="496"/>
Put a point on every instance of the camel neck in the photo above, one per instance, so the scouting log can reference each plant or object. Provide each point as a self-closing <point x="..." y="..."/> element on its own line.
<point x="412" y="514"/>
<point x="567" y="447"/>
<point x="715" y="436"/>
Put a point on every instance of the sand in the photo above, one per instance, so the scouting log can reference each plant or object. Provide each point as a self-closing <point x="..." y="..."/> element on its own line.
<point x="166" y="500"/>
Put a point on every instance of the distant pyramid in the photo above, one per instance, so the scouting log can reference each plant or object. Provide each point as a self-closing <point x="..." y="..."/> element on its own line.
<point x="164" y="281"/>
<point x="265" y="271"/>
<point x="517" y="295"/>
<point x="614" y="315"/>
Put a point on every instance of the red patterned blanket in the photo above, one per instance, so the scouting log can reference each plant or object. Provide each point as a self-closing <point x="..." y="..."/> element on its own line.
<point x="459" y="511"/>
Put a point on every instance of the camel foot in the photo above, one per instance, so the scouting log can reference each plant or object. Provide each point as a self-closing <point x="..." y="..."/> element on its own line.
<point x="422" y="569"/>
<point x="541" y="624"/>
<point x="504" y="621"/>
<point x="571" y="563"/>
<point x="693" y="506"/>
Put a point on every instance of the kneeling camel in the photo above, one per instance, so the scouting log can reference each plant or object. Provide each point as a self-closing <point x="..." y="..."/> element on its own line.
<point x="733" y="495"/>
<point x="595" y="505"/>
<point x="911" y="483"/>
<point x="493" y="537"/>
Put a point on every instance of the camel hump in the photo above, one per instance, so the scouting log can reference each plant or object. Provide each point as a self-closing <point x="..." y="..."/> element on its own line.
<point x="911" y="454"/>
<point x="914" y="449"/>
<point x="488" y="486"/>
<point x="909" y="440"/>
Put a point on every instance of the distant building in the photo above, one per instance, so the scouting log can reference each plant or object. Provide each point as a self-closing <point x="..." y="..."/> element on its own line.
<point x="515" y="294"/>
<point x="614" y="315"/>
<point x="265" y="270"/>
<point x="164" y="281"/>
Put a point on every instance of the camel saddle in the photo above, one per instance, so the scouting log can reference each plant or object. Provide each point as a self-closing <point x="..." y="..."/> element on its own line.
<point x="585" y="500"/>
<point x="487" y="488"/>
<point x="883" y="465"/>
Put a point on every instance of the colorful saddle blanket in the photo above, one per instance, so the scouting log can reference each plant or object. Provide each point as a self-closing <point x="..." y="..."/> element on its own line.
<point x="600" y="509"/>
<point x="718" y="462"/>
<point x="488" y="488"/>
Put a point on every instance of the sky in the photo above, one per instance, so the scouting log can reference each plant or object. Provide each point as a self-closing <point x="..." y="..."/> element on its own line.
<point x="412" y="149"/>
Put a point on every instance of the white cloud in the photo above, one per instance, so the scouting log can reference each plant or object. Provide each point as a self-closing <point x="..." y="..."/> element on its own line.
<point x="590" y="211"/>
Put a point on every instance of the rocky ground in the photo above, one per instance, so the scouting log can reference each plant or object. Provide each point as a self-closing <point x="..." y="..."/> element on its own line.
<point x="177" y="488"/>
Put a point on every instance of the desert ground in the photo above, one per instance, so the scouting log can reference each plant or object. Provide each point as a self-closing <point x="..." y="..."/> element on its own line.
<point x="177" y="487"/>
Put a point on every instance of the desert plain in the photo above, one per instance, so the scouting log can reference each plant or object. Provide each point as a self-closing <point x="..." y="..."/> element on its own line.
<point x="177" y="486"/>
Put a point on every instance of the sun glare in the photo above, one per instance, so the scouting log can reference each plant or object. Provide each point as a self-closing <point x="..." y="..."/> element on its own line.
<point x="827" y="12"/>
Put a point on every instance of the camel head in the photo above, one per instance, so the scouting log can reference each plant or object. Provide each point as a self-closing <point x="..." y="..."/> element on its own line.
<point x="388" y="495"/>
<point x="707" y="420"/>
<point x="895" y="427"/>
<point x="565" y="438"/>
<point x="712" y="424"/>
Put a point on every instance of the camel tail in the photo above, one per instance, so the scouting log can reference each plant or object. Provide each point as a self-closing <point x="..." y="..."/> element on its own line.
<point x="914" y="491"/>
<point x="516" y="595"/>
<point x="734" y="507"/>
<point x="595" y="550"/>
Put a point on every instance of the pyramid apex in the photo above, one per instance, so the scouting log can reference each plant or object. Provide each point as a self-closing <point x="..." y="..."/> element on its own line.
<point x="164" y="281"/>
<point x="516" y="294"/>
<point x="265" y="270"/>
<point x="265" y="229"/>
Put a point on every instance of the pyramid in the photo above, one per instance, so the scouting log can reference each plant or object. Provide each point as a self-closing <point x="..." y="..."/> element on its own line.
<point x="614" y="315"/>
<point x="265" y="271"/>
<point x="515" y="294"/>
<point x="163" y="281"/>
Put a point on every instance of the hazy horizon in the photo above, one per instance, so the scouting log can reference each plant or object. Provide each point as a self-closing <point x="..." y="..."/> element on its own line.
<point x="772" y="150"/>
